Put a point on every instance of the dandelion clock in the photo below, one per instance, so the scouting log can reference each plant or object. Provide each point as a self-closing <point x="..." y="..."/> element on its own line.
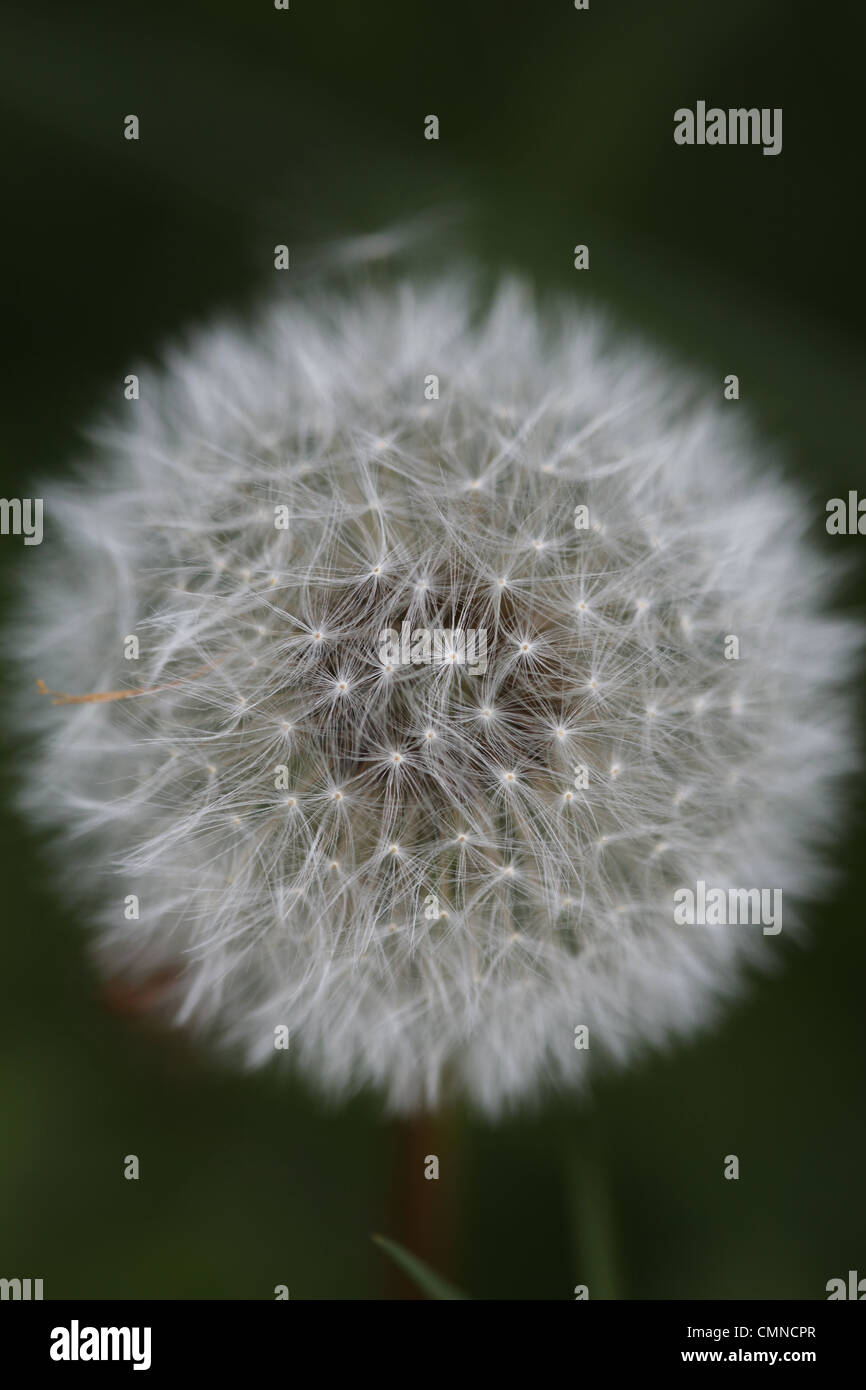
<point x="435" y="687"/>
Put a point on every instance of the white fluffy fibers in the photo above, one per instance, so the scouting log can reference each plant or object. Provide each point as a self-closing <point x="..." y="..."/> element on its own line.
<point x="431" y="874"/>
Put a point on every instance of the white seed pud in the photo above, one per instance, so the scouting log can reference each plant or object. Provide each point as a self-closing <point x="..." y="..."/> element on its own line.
<point x="613" y="632"/>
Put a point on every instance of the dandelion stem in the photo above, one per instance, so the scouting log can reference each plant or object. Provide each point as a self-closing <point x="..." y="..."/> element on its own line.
<point x="422" y="1214"/>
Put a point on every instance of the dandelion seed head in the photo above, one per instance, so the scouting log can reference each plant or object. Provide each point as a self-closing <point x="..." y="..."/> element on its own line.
<point x="600" y="639"/>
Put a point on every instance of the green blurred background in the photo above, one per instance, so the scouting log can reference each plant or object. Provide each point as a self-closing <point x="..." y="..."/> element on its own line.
<point x="260" y="126"/>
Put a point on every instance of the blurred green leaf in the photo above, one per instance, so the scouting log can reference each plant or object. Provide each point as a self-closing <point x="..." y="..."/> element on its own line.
<point x="422" y="1274"/>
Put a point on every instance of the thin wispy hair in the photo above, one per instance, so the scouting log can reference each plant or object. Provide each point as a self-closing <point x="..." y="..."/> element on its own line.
<point x="286" y="808"/>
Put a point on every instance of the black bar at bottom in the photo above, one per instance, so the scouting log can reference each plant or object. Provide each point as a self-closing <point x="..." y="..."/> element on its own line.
<point x="164" y="1338"/>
